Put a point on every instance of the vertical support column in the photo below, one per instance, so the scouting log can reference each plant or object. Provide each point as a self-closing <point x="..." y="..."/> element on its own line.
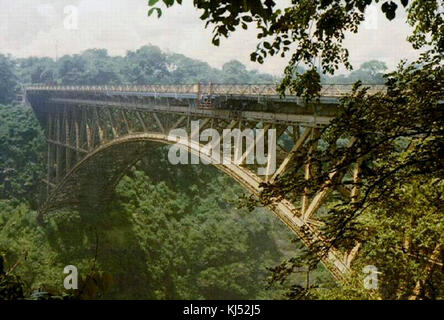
<point x="99" y="126"/>
<point x="58" y="148"/>
<point x="83" y="133"/>
<point x="67" y="138"/>
<point x="50" y="158"/>
<point x="89" y="131"/>
<point x="188" y="128"/>
<point x="142" y="122"/>
<point x="354" y="195"/>
<point x="77" y="133"/>
<point x="114" y="130"/>
<point x="308" y="169"/>
<point x="296" y="134"/>
<point x="125" y="121"/>
<point x="291" y="154"/>
<point x="271" y="153"/>
<point x="356" y="172"/>
<point x="199" y="95"/>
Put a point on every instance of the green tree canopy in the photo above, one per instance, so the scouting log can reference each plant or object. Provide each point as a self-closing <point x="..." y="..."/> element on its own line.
<point x="312" y="31"/>
<point x="8" y="80"/>
<point x="398" y="134"/>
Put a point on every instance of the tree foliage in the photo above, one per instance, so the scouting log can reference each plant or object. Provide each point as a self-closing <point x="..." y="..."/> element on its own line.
<point x="21" y="157"/>
<point x="8" y="80"/>
<point x="312" y="31"/>
<point x="160" y="238"/>
<point x="146" y="65"/>
<point x="397" y="215"/>
<point x="395" y="137"/>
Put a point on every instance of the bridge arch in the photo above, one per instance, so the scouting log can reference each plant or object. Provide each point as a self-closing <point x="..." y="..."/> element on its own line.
<point x="91" y="182"/>
<point x="95" y="134"/>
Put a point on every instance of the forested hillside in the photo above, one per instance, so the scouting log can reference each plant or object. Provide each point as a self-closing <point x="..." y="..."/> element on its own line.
<point x="368" y="183"/>
<point x="171" y="232"/>
<point x="147" y="65"/>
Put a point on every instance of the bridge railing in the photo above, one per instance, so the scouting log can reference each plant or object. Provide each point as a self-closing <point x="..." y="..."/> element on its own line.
<point x="330" y="90"/>
<point x="185" y="88"/>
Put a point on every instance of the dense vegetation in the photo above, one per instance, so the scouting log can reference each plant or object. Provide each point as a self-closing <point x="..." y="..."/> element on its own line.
<point x="171" y="232"/>
<point x="160" y="238"/>
<point x="163" y="238"/>
<point x="395" y="215"/>
<point x="147" y="65"/>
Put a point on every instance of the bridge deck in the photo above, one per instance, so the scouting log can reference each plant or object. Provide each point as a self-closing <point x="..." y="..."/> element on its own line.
<point x="95" y="133"/>
<point x="252" y="102"/>
<point x="245" y="90"/>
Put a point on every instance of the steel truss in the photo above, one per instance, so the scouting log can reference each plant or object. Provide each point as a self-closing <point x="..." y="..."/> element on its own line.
<point x="94" y="138"/>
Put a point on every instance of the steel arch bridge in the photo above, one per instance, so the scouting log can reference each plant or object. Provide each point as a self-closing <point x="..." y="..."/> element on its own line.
<point x="96" y="133"/>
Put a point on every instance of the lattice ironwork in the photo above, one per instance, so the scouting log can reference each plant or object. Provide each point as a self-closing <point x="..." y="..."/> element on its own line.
<point x="93" y="139"/>
<point x="330" y="90"/>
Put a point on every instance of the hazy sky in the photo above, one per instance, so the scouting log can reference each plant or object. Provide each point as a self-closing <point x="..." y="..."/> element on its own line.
<point x="37" y="27"/>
